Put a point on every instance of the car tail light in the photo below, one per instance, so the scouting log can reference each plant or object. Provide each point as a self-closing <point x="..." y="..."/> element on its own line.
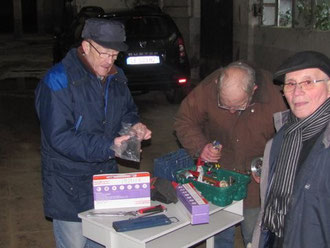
<point x="182" y="81"/>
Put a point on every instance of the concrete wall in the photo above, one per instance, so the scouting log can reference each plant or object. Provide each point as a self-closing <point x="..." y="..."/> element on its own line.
<point x="272" y="44"/>
<point x="269" y="46"/>
<point x="266" y="46"/>
<point x="240" y="30"/>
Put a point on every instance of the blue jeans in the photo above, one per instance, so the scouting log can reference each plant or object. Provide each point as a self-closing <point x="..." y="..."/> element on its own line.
<point x="69" y="235"/>
<point x="226" y="238"/>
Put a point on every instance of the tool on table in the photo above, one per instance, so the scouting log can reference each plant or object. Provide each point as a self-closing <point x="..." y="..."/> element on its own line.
<point x="186" y="175"/>
<point x="231" y="180"/>
<point x="206" y="178"/>
<point x="140" y="212"/>
<point x="143" y="222"/>
<point x="190" y="174"/>
<point x="216" y="144"/>
<point x="162" y="190"/>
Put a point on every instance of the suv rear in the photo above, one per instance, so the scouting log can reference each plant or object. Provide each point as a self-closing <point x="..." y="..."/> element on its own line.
<point x="156" y="58"/>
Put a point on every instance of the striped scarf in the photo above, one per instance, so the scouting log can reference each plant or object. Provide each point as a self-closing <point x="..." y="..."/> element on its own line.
<point x="281" y="185"/>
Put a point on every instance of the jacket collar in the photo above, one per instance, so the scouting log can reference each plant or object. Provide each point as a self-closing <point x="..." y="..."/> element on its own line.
<point x="281" y="118"/>
<point x="261" y="94"/>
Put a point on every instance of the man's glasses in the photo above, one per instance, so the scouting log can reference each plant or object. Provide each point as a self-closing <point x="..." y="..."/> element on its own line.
<point x="235" y="108"/>
<point x="290" y="85"/>
<point x="104" y="55"/>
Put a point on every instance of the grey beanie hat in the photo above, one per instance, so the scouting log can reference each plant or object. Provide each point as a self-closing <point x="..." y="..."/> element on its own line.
<point x="300" y="61"/>
<point x="107" y="33"/>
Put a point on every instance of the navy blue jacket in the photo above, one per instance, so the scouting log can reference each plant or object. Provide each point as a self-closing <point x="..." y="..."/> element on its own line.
<point x="307" y="223"/>
<point x="79" y="119"/>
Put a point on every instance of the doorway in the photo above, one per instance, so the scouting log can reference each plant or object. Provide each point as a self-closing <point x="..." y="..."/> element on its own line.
<point x="7" y="16"/>
<point x="29" y="16"/>
<point x="216" y="35"/>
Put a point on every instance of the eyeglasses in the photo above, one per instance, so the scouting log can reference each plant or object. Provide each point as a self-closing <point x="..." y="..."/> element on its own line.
<point x="290" y="85"/>
<point x="104" y="55"/>
<point x="234" y="108"/>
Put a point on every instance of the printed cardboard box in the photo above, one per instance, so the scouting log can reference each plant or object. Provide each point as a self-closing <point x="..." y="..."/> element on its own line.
<point x="121" y="190"/>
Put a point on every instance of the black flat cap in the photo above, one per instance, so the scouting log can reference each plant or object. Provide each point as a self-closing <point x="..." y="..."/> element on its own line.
<point x="107" y="33"/>
<point x="300" y="61"/>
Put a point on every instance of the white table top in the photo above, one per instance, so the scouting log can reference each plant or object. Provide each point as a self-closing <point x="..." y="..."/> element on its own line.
<point x="179" y="234"/>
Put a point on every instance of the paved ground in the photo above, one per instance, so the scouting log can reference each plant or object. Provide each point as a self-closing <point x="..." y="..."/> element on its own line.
<point x="22" y="223"/>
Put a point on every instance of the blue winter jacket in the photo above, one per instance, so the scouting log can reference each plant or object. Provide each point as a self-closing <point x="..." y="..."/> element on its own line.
<point x="79" y="118"/>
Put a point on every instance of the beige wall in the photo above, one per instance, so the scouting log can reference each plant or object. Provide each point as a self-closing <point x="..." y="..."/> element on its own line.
<point x="269" y="46"/>
<point x="266" y="46"/>
<point x="272" y="45"/>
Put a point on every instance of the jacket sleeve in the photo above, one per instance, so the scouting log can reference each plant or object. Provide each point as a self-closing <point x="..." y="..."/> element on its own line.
<point x="258" y="235"/>
<point x="189" y="122"/>
<point x="54" y="108"/>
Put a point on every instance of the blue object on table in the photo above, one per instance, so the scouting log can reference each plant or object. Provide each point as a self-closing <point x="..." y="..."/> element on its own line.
<point x="140" y="223"/>
<point x="167" y="165"/>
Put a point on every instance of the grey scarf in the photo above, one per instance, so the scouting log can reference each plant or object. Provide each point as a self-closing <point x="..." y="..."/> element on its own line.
<point x="281" y="185"/>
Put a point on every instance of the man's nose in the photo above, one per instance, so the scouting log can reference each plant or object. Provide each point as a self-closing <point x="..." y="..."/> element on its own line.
<point x="298" y="89"/>
<point x="232" y="110"/>
<point x="111" y="59"/>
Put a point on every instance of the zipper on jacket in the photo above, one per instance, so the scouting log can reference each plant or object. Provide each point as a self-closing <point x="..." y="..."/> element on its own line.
<point x="106" y="95"/>
<point x="78" y="122"/>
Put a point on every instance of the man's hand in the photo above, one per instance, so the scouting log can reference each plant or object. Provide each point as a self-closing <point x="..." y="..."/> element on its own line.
<point x="117" y="141"/>
<point x="255" y="177"/>
<point x="211" y="154"/>
<point x="142" y="132"/>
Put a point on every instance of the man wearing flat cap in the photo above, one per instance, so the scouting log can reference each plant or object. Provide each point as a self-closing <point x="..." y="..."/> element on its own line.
<point x="295" y="180"/>
<point x="82" y="103"/>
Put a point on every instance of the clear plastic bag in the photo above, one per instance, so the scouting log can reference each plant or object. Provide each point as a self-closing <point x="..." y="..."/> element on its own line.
<point x="129" y="149"/>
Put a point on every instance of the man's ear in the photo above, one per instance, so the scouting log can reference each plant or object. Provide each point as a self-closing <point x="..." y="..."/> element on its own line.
<point x="85" y="46"/>
<point x="328" y="87"/>
<point x="254" y="88"/>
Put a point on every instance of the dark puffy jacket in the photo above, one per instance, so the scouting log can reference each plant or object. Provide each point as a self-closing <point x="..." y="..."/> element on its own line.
<point x="307" y="223"/>
<point x="79" y="119"/>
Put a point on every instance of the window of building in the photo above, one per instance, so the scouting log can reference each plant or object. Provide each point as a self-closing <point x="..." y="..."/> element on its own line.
<point x="313" y="14"/>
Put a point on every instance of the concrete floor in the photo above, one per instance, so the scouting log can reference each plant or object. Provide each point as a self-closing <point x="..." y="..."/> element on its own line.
<point x="22" y="223"/>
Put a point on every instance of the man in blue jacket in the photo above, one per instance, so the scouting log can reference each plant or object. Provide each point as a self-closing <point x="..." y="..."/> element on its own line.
<point x="82" y="103"/>
<point x="295" y="180"/>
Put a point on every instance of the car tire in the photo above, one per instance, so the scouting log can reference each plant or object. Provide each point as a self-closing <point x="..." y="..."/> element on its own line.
<point x="174" y="95"/>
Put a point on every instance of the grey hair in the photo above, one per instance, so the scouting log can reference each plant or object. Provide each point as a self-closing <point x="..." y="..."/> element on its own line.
<point x="249" y="80"/>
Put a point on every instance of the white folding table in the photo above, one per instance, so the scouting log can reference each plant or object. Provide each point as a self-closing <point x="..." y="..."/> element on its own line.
<point x="175" y="235"/>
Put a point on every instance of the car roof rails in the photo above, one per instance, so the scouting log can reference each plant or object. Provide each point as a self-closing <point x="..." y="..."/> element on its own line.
<point x="91" y="11"/>
<point x="148" y="8"/>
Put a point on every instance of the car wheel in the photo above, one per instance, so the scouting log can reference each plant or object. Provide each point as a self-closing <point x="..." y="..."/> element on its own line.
<point x="174" y="95"/>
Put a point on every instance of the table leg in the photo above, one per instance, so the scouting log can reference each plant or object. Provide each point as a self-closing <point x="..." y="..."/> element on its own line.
<point x="210" y="242"/>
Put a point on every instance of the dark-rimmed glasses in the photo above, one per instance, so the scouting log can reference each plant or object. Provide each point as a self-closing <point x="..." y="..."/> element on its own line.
<point x="104" y="55"/>
<point x="290" y="85"/>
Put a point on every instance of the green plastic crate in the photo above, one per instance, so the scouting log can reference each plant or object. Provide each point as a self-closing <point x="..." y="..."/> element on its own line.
<point x="220" y="196"/>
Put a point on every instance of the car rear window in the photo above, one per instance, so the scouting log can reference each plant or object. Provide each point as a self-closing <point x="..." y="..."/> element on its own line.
<point x="146" y="26"/>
